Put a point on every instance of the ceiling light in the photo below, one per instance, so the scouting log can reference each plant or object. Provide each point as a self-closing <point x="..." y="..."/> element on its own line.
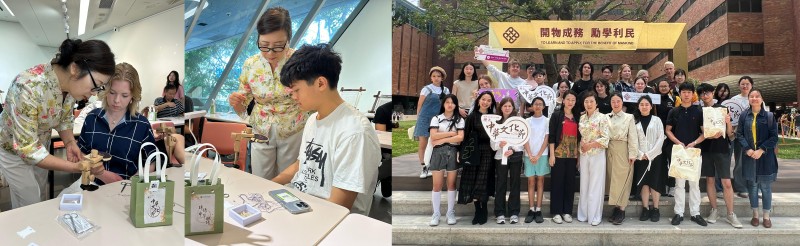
<point x="84" y="11"/>
<point x="6" y="5"/>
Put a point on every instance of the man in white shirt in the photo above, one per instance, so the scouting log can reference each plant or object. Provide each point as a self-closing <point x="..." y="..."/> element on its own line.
<point x="510" y="80"/>
<point x="339" y="153"/>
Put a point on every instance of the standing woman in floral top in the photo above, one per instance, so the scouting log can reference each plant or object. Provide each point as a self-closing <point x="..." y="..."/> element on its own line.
<point x="40" y="100"/>
<point x="595" y="132"/>
<point x="275" y="114"/>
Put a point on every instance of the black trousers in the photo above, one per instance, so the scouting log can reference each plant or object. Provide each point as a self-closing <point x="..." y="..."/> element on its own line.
<point x="562" y="185"/>
<point x="513" y="170"/>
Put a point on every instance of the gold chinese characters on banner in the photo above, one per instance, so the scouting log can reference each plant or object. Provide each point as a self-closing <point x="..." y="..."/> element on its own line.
<point x="587" y="35"/>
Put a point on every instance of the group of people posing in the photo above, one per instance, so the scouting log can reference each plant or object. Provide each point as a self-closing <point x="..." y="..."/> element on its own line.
<point x="617" y="148"/>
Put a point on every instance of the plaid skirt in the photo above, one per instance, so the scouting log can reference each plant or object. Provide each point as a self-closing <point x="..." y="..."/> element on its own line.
<point x="477" y="182"/>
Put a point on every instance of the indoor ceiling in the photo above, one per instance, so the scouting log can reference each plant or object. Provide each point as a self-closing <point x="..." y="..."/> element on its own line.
<point x="43" y="20"/>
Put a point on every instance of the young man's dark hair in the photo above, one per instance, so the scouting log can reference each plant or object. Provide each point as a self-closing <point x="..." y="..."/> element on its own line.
<point x="309" y="63"/>
<point x="170" y="87"/>
<point x="538" y="72"/>
<point x="686" y="87"/>
<point x="704" y="87"/>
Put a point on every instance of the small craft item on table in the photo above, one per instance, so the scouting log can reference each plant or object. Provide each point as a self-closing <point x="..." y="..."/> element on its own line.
<point x="76" y="224"/>
<point x="244" y="214"/>
<point x="514" y="131"/>
<point x="246" y="134"/>
<point x="92" y="160"/>
<point x="169" y="141"/>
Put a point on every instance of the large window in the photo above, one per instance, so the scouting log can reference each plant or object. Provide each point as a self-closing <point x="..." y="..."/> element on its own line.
<point x="730" y="49"/>
<point x="219" y="30"/>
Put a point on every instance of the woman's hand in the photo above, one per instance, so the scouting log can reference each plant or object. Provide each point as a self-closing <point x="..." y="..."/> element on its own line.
<point x="552" y="161"/>
<point x="74" y="153"/>
<point x="237" y="100"/>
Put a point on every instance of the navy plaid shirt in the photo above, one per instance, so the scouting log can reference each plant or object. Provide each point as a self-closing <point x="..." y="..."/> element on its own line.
<point x="122" y="143"/>
<point x="169" y="111"/>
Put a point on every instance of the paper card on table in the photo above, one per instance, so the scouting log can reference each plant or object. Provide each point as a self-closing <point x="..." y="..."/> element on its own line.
<point x="202" y="213"/>
<point x="488" y="53"/>
<point x="714" y="121"/>
<point x="200" y="176"/>
<point x="633" y="97"/>
<point x="25" y="232"/>
<point x="154" y="209"/>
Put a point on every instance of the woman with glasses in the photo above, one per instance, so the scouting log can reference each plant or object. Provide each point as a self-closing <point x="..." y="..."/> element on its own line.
<point x="116" y="128"/>
<point x="40" y="100"/>
<point x="275" y="113"/>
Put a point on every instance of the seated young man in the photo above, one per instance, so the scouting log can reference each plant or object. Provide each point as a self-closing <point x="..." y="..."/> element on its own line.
<point x="339" y="152"/>
<point x="169" y="106"/>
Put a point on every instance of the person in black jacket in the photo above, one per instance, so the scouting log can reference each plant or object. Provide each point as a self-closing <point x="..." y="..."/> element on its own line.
<point x="563" y="139"/>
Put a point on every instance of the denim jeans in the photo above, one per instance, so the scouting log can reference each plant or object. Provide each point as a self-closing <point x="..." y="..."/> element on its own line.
<point x="766" y="194"/>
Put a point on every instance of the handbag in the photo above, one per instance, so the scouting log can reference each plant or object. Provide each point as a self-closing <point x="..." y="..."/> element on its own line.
<point x="152" y="196"/>
<point x="204" y="198"/>
<point x="686" y="163"/>
<point x="468" y="154"/>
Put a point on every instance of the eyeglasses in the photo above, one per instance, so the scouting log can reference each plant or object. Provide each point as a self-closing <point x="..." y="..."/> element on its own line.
<point x="708" y="93"/>
<point x="268" y="49"/>
<point x="96" y="88"/>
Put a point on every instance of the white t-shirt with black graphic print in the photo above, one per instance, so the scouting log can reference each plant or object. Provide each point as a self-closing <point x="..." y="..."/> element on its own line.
<point x="341" y="150"/>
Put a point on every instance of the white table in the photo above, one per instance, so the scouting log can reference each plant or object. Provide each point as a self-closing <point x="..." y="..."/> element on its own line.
<point x="357" y="229"/>
<point x="385" y="138"/>
<point x="278" y="227"/>
<point x="227" y="117"/>
<point x="177" y="121"/>
<point x="107" y="207"/>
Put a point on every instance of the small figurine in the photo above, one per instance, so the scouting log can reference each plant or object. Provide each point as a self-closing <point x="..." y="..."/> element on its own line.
<point x="248" y="135"/>
<point x="92" y="160"/>
<point x="169" y="140"/>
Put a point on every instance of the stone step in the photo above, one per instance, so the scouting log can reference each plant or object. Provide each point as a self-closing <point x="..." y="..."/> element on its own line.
<point x="414" y="229"/>
<point x="414" y="183"/>
<point x="419" y="203"/>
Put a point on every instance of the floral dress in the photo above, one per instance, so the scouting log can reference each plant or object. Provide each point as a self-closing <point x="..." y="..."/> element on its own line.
<point x="274" y="103"/>
<point x="595" y="128"/>
<point x="35" y="105"/>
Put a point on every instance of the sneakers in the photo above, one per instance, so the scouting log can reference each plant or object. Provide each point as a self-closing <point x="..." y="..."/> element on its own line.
<point x="655" y="215"/>
<point x="514" y="219"/>
<point x="620" y="218"/>
<point x="434" y="220"/>
<point x="677" y="219"/>
<point x="530" y="217"/>
<point x="699" y="220"/>
<point x="567" y="218"/>
<point x="742" y="195"/>
<point x="424" y="173"/>
<point x="538" y="217"/>
<point x="671" y="192"/>
<point x="596" y="223"/>
<point x="557" y="219"/>
<point x="501" y="219"/>
<point x="645" y="214"/>
<point x="614" y="215"/>
<point x="712" y="216"/>
<point x="734" y="221"/>
<point x="451" y="217"/>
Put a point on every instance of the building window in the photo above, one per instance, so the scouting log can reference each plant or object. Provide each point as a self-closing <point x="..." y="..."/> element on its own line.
<point x="730" y="49"/>
<point x="752" y="6"/>
<point x="681" y="10"/>
<point x="708" y="19"/>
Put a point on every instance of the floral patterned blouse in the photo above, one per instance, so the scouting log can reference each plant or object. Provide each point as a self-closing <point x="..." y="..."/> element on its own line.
<point x="594" y="128"/>
<point x="34" y="107"/>
<point x="274" y="103"/>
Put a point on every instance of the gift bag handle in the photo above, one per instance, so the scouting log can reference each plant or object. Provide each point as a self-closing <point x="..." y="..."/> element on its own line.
<point x="158" y="167"/>
<point x="141" y="149"/>
<point x="196" y="163"/>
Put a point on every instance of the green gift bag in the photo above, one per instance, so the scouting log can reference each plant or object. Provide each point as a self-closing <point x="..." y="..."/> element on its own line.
<point x="152" y="196"/>
<point x="203" y="198"/>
